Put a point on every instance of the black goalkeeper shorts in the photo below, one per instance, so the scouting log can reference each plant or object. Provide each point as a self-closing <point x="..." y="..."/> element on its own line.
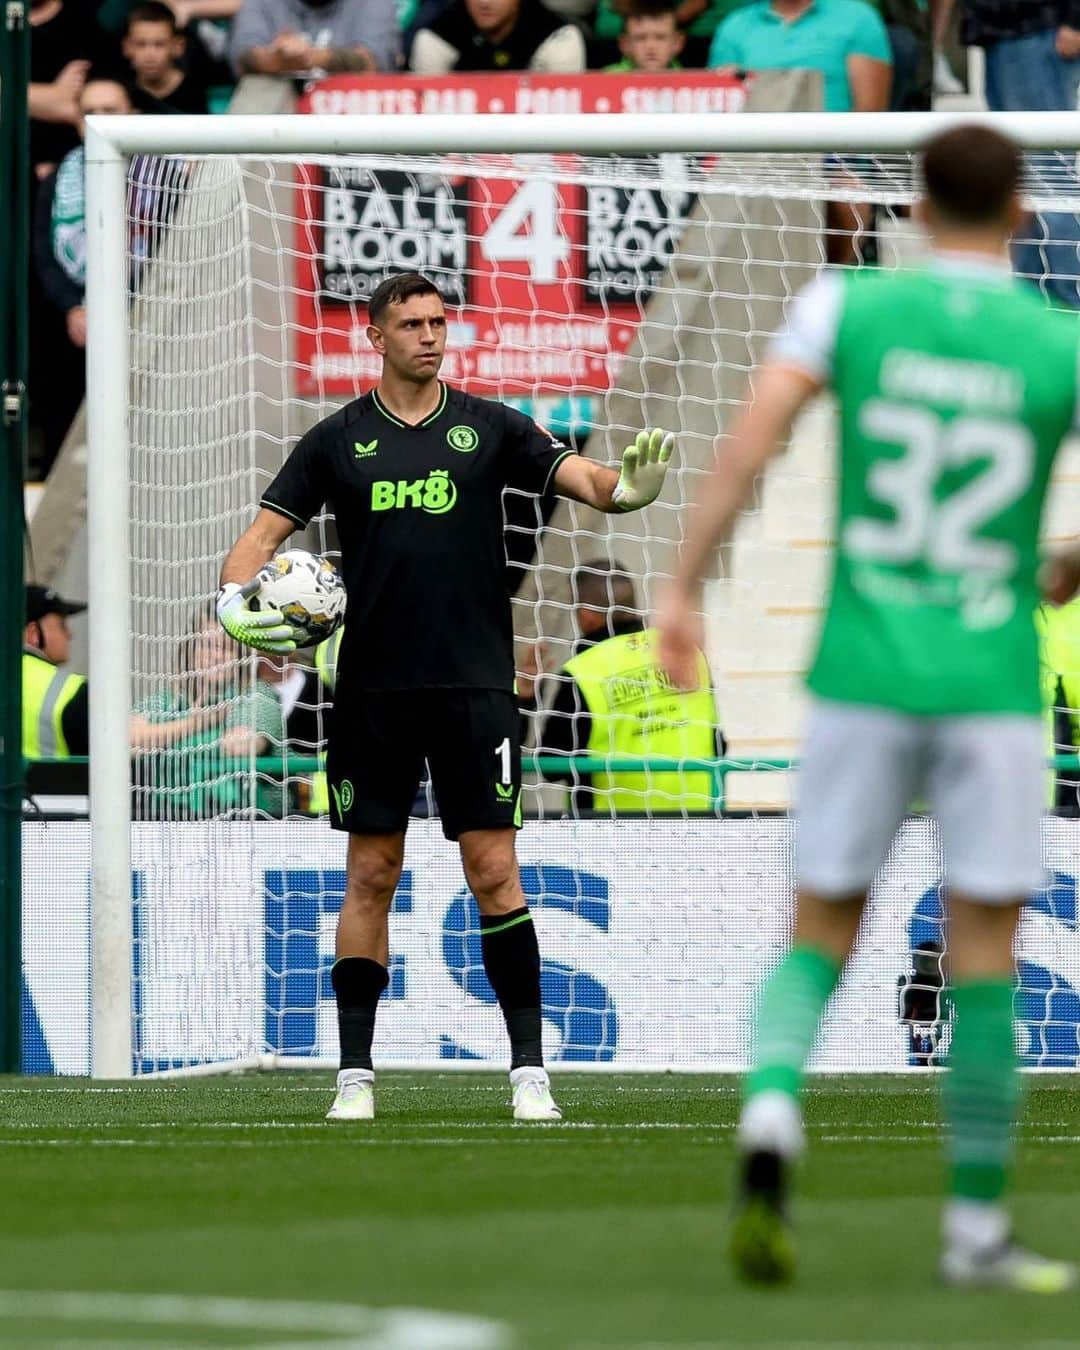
<point x="379" y="741"/>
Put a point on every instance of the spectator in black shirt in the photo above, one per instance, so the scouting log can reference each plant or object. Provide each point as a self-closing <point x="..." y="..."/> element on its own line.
<point x="495" y="35"/>
<point x="154" y="46"/>
<point x="64" y="43"/>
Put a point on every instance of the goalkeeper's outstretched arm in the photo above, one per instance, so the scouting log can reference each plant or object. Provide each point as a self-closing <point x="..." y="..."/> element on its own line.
<point x="264" y="629"/>
<point x="637" y="482"/>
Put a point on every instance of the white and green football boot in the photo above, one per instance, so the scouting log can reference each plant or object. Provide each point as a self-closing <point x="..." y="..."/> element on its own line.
<point x="1006" y="1266"/>
<point x="532" y="1095"/>
<point x="355" y="1098"/>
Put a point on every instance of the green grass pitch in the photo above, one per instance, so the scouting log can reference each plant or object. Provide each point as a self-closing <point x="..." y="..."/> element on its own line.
<point x="263" y="1225"/>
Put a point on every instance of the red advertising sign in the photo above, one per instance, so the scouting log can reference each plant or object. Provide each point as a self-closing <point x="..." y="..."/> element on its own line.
<point x="545" y="273"/>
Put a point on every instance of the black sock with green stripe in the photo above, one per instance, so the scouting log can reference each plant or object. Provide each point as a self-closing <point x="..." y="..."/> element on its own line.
<point x="512" y="963"/>
<point x="358" y="983"/>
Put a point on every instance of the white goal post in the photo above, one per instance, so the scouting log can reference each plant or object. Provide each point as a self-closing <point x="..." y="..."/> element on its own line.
<point x="783" y="155"/>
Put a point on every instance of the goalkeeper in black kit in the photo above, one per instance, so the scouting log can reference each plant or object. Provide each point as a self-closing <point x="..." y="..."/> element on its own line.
<point x="414" y="473"/>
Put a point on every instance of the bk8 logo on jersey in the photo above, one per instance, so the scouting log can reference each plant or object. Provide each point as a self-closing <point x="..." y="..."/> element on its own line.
<point x="436" y="494"/>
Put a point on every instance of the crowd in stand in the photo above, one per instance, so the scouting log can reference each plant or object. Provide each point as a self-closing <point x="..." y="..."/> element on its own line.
<point x="184" y="56"/>
<point x="162" y="57"/>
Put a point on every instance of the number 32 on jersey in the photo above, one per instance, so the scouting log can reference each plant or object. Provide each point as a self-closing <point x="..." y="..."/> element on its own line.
<point x="943" y="533"/>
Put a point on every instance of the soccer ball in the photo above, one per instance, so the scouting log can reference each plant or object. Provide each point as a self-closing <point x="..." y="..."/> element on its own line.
<point x="307" y="589"/>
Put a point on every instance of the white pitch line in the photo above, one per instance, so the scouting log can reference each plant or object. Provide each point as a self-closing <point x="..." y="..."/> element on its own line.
<point x="531" y="1138"/>
<point x="352" y="1326"/>
<point x="500" y="1126"/>
<point x="490" y="1125"/>
<point x="241" y="1083"/>
<point x="321" y="1125"/>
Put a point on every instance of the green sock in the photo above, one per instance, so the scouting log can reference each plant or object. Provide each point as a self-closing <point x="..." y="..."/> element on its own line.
<point x="791" y="1005"/>
<point x="982" y="1089"/>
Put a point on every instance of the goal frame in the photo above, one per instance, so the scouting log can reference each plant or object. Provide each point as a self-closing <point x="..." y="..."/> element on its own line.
<point x="110" y="143"/>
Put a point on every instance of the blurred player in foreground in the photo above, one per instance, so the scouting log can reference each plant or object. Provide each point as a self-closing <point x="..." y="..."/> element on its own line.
<point x="414" y="472"/>
<point x="956" y="386"/>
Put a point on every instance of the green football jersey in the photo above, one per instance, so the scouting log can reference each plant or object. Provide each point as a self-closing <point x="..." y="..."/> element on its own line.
<point x="956" y="386"/>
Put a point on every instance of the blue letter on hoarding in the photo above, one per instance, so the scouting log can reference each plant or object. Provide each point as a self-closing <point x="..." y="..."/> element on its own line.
<point x="35" y="1048"/>
<point x="573" y="1001"/>
<point x="297" y="971"/>
<point x="1046" y="1005"/>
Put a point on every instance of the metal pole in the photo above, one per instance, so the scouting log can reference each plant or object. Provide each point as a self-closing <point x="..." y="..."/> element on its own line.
<point x="14" y="306"/>
<point x="108" y="532"/>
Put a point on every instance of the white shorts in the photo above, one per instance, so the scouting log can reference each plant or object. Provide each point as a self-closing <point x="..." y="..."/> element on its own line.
<point x="984" y="777"/>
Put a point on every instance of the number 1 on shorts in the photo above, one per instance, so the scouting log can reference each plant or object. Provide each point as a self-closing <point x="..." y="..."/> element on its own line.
<point x="502" y="751"/>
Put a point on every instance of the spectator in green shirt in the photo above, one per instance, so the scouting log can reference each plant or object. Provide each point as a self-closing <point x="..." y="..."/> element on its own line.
<point x="846" y="42"/>
<point x="650" y="41"/>
<point x="844" y="39"/>
<point x="212" y="712"/>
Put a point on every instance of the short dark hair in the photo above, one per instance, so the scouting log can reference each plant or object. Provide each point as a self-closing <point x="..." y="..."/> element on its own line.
<point x="648" y="9"/>
<point x="604" y="583"/>
<point x="151" y="11"/>
<point x="396" y="290"/>
<point x="971" y="173"/>
<point x="108" y="75"/>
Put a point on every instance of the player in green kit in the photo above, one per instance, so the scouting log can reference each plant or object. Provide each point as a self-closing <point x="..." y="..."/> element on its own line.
<point x="955" y="387"/>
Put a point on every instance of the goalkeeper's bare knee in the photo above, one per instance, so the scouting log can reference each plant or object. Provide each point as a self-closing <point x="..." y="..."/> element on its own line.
<point x="491" y="870"/>
<point x="373" y="871"/>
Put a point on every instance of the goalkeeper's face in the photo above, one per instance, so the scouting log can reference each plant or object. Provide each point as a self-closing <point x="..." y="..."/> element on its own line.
<point x="411" y="338"/>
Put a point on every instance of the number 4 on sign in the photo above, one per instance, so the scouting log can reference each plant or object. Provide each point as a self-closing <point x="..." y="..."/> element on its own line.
<point x="527" y="230"/>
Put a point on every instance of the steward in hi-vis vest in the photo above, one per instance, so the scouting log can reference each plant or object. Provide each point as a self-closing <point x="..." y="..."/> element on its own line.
<point x="615" y="701"/>
<point x="55" y="705"/>
<point x="634" y="709"/>
<point x="1059" y="663"/>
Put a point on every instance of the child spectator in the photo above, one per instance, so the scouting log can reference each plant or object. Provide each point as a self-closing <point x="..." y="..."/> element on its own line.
<point x="153" y="46"/>
<point x="697" y="19"/>
<point x="650" y="41"/>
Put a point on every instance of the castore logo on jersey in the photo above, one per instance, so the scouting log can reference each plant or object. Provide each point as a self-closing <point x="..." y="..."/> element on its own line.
<point x="436" y="494"/>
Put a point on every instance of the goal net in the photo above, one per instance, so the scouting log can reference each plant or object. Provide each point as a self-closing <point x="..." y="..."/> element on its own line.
<point x="601" y="293"/>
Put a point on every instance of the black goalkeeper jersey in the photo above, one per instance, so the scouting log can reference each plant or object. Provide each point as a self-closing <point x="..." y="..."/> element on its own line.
<point x="419" y="517"/>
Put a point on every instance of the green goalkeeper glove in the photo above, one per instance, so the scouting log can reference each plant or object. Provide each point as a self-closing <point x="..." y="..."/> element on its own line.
<point x="263" y="629"/>
<point x="644" y="466"/>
